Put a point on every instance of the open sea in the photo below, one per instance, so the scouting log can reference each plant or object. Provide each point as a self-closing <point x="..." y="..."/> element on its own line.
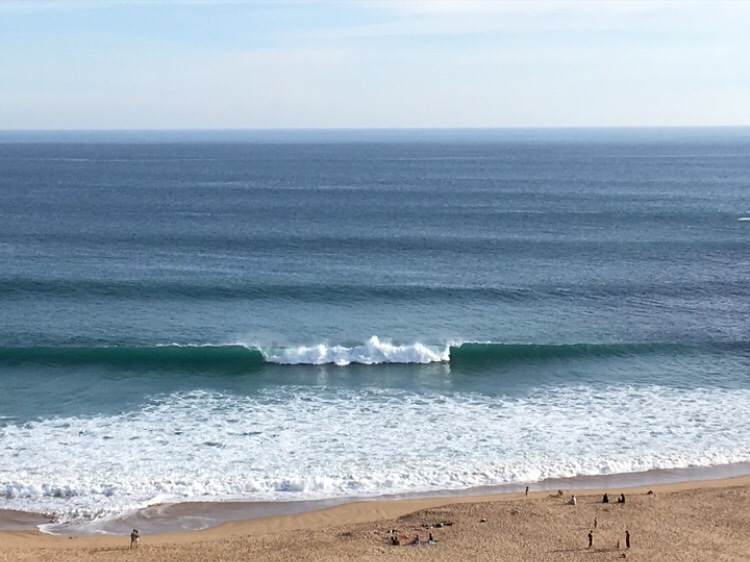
<point x="294" y="316"/>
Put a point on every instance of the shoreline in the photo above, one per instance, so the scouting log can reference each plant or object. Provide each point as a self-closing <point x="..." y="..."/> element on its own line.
<point x="192" y="516"/>
<point x="697" y="520"/>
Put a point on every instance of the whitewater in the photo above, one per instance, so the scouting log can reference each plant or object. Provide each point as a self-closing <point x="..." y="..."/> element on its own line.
<point x="303" y="444"/>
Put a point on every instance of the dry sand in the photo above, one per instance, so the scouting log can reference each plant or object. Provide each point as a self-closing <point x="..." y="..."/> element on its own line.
<point x="706" y="521"/>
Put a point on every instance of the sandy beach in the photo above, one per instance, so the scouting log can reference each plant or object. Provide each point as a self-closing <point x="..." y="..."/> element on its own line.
<point x="701" y="521"/>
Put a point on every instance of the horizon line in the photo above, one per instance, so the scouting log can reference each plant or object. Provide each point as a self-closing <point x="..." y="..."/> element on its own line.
<point x="355" y="129"/>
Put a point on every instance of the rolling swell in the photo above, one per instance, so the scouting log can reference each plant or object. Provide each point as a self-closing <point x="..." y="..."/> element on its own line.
<point x="482" y="354"/>
<point x="165" y="358"/>
<point x="319" y="292"/>
<point x="323" y="292"/>
<point x="241" y="358"/>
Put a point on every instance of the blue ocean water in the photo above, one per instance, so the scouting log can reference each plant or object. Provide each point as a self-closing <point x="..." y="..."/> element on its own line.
<point x="304" y="315"/>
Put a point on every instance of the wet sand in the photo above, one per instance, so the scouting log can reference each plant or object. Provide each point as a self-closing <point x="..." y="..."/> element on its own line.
<point x="701" y="521"/>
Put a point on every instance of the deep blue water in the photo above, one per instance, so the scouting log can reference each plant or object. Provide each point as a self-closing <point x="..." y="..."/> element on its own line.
<point x="137" y="269"/>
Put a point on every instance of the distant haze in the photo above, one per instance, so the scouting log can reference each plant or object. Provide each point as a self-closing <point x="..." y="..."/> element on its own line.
<point x="77" y="64"/>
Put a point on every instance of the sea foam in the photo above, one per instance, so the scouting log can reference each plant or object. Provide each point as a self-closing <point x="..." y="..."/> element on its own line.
<point x="311" y="443"/>
<point x="373" y="352"/>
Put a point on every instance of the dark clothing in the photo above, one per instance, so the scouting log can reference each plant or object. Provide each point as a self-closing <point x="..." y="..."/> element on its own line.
<point x="627" y="539"/>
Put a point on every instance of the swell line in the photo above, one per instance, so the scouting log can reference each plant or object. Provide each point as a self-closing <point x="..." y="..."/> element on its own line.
<point x="242" y="358"/>
<point x="14" y="289"/>
<point x="170" y="357"/>
<point x="493" y="353"/>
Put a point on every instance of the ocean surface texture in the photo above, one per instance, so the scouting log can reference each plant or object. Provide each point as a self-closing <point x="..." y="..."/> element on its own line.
<point x="294" y="316"/>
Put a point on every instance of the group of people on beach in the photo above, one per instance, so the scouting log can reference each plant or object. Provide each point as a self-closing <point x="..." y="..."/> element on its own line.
<point x="627" y="538"/>
<point x="417" y="540"/>
<point x="135" y="535"/>
<point x="621" y="499"/>
<point x="605" y="499"/>
<point x="396" y="541"/>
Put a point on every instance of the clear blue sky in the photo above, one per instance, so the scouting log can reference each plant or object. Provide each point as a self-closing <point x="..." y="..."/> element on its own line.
<point x="101" y="64"/>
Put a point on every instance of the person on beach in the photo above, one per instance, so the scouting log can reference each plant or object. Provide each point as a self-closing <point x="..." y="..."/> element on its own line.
<point x="622" y="499"/>
<point x="627" y="538"/>
<point x="591" y="539"/>
<point x="572" y="500"/>
<point x="431" y="540"/>
<point x="605" y="499"/>
<point x="135" y="538"/>
<point x="527" y="490"/>
<point x="596" y="523"/>
<point x="415" y="541"/>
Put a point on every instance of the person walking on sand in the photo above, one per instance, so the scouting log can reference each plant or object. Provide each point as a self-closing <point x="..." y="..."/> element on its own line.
<point x="627" y="538"/>
<point x="591" y="539"/>
<point x="527" y="490"/>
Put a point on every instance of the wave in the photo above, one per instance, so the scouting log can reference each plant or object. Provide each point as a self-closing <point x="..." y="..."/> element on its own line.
<point x="140" y="291"/>
<point x="489" y="353"/>
<point x="243" y="358"/>
<point x="320" y="292"/>
<point x="166" y="357"/>
<point x="374" y="352"/>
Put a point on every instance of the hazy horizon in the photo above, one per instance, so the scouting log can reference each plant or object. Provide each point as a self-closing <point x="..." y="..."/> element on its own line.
<point x="400" y="64"/>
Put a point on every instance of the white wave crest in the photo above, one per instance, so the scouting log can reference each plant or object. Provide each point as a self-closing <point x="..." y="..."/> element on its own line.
<point x="744" y="219"/>
<point x="373" y="352"/>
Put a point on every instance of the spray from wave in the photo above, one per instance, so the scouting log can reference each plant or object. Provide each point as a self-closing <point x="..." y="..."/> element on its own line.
<point x="374" y="352"/>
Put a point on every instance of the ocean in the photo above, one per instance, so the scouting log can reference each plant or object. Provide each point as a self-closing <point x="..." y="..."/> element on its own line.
<point x="317" y="316"/>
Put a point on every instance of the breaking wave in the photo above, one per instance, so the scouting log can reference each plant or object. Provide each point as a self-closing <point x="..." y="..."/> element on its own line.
<point x="246" y="358"/>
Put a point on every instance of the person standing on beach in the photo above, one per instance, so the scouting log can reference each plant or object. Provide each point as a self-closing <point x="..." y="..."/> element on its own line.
<point x="627" y="538"/>
<point x="135" y="538"/>
<point x="591" y="539"/>
<point x="527" y="490"/>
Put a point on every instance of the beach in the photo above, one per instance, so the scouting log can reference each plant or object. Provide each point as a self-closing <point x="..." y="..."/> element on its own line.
<point x="705" y="520"/>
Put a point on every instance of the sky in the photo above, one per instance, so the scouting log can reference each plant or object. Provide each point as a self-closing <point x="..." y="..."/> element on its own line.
<point x="242" y="64"/>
